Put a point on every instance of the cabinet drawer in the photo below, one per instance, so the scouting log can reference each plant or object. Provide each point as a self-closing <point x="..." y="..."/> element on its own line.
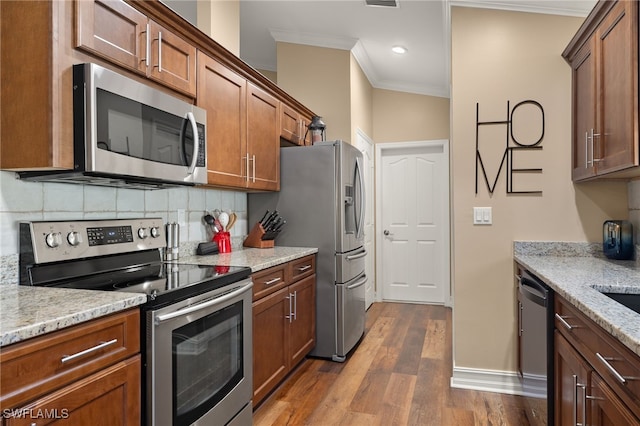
<point x="614" y="362"/>
<point x="574" y="325"/>
<point x="35" y="367"/>
<point x="302" y="268"/>
<point x="267" y="281"/>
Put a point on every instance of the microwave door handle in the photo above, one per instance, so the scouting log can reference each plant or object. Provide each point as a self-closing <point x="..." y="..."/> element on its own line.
<point x="196" y="143"/>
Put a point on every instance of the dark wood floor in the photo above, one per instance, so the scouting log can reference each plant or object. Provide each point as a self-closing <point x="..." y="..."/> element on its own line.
<point x="398" y="375"/>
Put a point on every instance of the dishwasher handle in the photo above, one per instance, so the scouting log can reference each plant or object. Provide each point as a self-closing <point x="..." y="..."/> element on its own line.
<point x="534" y="291"/>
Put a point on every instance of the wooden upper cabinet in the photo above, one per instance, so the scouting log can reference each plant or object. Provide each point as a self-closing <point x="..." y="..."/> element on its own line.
<point x="604" y="60"/>
<point x="263" y="139"/>
<point x="243" y="146"/>
<point x="290" y="124"/>
<point x="584" y="112"/>
<point x="115" y="31"/>
<point x="172" y="60"/>
<point x="293" y="126"/>
<point x="223" y="94"/>
<point x="617" y="75"/>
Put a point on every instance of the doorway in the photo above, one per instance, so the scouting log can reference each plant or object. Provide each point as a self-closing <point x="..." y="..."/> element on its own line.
<point x="412" y="226"/>
<point x="365" y="145"/>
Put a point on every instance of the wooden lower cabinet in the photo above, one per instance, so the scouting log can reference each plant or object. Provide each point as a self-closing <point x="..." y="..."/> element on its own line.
<point x="110" y="397"/>
<point x="572" y="380"/>
<point x="86" y="374"/>
<point x="586" y="390"/>
<point x="284" y="318"/>
<point x="270" y="337"/>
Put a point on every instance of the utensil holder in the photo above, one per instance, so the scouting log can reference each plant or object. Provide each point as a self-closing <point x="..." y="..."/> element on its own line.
<point x="254" y="239"/>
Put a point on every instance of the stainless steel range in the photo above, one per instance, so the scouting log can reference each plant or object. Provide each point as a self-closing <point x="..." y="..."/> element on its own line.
<point x="196" y="336"/>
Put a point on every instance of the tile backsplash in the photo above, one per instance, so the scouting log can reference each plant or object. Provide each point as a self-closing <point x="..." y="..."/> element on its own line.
<point x="27" y="201"/>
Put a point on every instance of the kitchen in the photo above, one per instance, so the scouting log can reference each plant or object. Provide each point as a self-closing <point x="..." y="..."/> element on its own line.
<point x="483" y="292"/>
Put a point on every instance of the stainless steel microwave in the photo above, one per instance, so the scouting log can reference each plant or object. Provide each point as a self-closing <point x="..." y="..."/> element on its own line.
<point x="127" y="133"/>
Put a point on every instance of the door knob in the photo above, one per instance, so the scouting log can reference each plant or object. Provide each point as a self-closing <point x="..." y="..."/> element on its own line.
<point x="386" y="232"/>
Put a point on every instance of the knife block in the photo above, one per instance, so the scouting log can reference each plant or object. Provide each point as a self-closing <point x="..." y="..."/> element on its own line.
<point x="254" y="239"/>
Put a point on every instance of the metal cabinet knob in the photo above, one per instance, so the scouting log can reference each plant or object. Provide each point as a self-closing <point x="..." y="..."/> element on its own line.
<point x="386" y="232"/>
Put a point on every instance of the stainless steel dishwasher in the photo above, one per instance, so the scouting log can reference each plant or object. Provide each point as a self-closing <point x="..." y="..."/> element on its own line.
<point x="535" y="346"/>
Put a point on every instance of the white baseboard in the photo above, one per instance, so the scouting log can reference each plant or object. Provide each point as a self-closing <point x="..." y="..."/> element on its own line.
<point x="506" y="382"/>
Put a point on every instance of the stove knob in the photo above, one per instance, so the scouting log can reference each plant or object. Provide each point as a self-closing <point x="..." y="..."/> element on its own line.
<point x="74" y="238"/>
<point x="53" y="239"/>
<point x="155" y="232"/>
<point x="143" y="233"/>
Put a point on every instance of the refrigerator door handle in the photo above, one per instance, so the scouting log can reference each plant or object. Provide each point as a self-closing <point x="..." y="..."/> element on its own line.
<point x="357" y="256"/>
<point x="358" y="283"/>
<point x="361" y="200"/>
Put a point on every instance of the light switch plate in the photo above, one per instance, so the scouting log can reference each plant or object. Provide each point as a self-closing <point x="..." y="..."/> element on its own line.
<point x="482" y="216"/>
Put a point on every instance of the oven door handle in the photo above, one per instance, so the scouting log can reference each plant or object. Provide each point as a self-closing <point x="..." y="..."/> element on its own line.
<point x="204" y="305"/>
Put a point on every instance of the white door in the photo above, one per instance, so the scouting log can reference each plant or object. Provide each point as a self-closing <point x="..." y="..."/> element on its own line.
<point x="414" y="222"/>
<point x="365" y="145"/>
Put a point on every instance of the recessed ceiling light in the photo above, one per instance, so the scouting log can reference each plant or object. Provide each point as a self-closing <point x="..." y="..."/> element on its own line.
<point x="399" y="50"/>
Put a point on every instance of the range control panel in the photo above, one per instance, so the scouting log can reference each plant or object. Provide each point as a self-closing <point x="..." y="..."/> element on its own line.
<point x="68" y="240"/>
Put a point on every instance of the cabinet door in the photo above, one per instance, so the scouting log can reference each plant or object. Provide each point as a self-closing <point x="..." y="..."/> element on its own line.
<point x="617" y="67"/>
<point x="572" y="377"/>
<point x="290" y="125"/>
<point x="606" y="407"/>
<point x="270" y="338"/>
<point x="110" y="397"/>
<point x="223" y="94"/>
<point x="263" y="139"/>
<point x="173" y="60"/>
<point x="303" y="324"/>
<point x="584" y="112"/>
<point x="112" y="30"/>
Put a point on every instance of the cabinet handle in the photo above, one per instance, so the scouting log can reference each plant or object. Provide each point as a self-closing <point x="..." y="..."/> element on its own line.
<point x="577" y="385"/>
<point x="147" y="47"/>
<point x="272" y="281"/>
<point x="304" y="268"/>
<point x="612" y="370"/>
<point x="565" y="323"/>
<point x="586" y="149"/>
<point x="253" y="160"/>
<point x="575" y="400"/>
<point x="246" y="158"/>
<point x="290" y="316"/>
<point x="101" y="345"/>
<point x="295" y="305"/>
<point x="159" y="51"/>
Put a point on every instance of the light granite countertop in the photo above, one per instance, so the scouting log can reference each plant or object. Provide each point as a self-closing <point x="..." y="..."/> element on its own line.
<point x="27" y="312"/>
<point x="254" y="258"/>
<point x="581" y="279"/>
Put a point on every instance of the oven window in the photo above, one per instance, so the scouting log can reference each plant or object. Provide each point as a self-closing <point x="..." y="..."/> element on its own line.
<point x="207" y="362"/>
<point x="137" y="130"/>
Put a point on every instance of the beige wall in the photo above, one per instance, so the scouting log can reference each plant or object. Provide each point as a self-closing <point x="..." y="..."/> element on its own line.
<point x="500" y="56"/>
<point x="220" y="19"/>
<point x="361" y="101"/>
<point x="320" y="79"/>
<point x="400" y="116"/>
<point x="271" y="75"/>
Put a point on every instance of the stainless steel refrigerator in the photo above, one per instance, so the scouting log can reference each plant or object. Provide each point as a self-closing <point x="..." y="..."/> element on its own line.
<point x="322" y="200"/>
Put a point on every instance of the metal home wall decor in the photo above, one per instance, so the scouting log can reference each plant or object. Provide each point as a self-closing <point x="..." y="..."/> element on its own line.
<point x="512" y="145"/>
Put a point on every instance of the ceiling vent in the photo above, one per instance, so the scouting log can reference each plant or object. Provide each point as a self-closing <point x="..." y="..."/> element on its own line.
<point x="382" y="3"/>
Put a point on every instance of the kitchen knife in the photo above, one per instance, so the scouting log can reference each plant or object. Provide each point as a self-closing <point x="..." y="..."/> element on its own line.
<point x="280" y="226"/>
<point x="273" y="225"/>
<point x="270" y="219"/>
<point x="262" y="222"/>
